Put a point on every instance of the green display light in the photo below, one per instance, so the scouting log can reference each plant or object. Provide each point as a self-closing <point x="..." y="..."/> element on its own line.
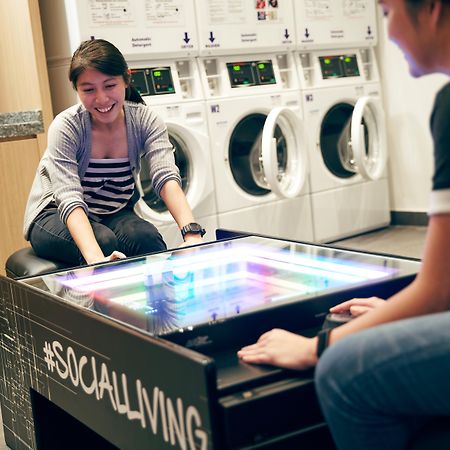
<point x="261" y="65"/>
<point x="348" y="59"/>
<point x="157" y="73"/>
<point x="327" y="61"/>
<point x="236" y="68"/>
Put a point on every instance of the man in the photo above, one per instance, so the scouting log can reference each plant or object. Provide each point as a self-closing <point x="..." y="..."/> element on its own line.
<point x="392" y="371"/>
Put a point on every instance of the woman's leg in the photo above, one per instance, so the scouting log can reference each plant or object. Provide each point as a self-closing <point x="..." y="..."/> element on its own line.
<point x="51" y="239"/>
<point x="377" y="386"/>
<point x="136" y="236"/>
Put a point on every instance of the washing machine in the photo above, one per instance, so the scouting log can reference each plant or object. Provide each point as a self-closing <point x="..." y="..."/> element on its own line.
<point x="254" y="116"/>
<point x="258" y="144"/>
<point x="173" y="90"/>
<point x="331" y="24"/>
<point x="344" y="114"/>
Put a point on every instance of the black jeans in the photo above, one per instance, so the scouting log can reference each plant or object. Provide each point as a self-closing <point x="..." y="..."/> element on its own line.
<point x="123" y="231"/>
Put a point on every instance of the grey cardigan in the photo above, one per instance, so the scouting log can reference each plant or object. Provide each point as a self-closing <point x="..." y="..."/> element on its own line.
<point x="69" y="149"/>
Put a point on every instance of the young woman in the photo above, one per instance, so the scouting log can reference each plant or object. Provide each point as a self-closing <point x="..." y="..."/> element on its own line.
<point x="378" y="385"/>
<point x="80" y="208"/>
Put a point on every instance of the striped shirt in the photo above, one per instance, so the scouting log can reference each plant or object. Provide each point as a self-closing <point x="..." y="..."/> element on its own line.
<point x="108" y="185"/>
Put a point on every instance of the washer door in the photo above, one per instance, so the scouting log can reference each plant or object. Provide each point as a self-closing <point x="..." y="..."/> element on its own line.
<point x="335" y="141"/>
<point x="189" y="162"/>
<point x="288" y="180"/>
<point x="370" y="157"/>
<point x="353" y="139"/>
<point x="266" y="153"/>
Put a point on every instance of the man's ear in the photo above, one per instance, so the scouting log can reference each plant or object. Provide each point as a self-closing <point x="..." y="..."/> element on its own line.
<point x="435" y="11"/>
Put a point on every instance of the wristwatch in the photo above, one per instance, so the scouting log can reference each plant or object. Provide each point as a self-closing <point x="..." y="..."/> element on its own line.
<point x="193" y="228"/>
<point x="323" y="338"/>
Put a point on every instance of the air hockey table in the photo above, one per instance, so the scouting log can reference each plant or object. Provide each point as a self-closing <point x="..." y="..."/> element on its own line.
<point x="141" y="353"/>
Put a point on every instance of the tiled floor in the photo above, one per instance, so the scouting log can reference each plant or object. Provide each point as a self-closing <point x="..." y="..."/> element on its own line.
<point x="396" y="240"/>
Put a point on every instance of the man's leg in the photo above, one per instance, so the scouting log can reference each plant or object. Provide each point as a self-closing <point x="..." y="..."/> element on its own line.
<point x="377" y="386"/>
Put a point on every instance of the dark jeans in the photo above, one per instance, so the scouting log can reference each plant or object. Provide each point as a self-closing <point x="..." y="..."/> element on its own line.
<point x="378" y="386"/>
<point x="123" y="231"/>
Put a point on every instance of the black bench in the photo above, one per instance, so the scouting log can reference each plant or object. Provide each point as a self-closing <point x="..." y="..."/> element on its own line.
<point x="25" y="263"/>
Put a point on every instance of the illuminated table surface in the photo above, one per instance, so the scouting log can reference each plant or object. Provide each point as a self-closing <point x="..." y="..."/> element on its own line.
<point x="179" y="290"/>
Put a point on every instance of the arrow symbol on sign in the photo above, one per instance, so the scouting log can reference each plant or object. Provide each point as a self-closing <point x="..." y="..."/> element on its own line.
<point x="286" y="33"/>
<point x="186" y="38"/>
<point x="211" y="37"/>
<point x="306" y="32"/>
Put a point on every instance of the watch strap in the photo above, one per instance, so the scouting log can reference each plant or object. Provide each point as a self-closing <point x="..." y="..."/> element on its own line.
<point x="193" y="228"/>
<point x="323" y="339"/>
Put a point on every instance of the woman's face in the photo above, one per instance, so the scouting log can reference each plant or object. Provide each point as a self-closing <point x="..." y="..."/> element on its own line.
<point x="102" y="95"/>
<point x="414" y="35"/>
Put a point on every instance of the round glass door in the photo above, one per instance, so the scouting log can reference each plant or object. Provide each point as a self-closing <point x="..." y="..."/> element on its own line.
<point x="181" y="160"/>
<point x="370" y="155"/>
<point x="244" y="154"/>
<point x="335" y="140"/>
<point x="264" y="154"/>
<point x="289" y="182"/>
<point x="352" y="139"/>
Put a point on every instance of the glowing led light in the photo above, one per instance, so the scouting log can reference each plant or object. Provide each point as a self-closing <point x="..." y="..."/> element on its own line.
<point x="202" y="261"/>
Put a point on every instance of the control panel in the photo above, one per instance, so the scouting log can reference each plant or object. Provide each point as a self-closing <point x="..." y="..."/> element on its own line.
<point x="251" y="73"/>
<point x="153" y="81"/>
<point x="338" y="66"/>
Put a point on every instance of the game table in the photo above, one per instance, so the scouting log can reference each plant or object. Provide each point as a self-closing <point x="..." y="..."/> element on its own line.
<point x="141" y="353"/>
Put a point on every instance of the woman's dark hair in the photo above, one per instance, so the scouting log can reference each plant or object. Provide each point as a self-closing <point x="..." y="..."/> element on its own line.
<point x="103" y="56"/>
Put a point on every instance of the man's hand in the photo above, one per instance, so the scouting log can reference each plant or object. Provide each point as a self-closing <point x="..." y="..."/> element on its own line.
<point x="358" y="306"/>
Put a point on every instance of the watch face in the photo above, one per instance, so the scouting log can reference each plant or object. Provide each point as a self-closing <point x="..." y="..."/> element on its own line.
<point x="195" y="227"/>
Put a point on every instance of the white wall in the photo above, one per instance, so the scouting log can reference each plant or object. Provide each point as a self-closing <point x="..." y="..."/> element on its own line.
<point x="408" y="103"/>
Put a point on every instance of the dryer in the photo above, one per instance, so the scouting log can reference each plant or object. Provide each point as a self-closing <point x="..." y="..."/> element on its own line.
<point x="258" y="144"/>
<point x="231" y="27"/>
<point x="173" y="90"/>
<point x="139" y="29"/>
<point x="347" y="141"/>
<point x="322" y="24"/>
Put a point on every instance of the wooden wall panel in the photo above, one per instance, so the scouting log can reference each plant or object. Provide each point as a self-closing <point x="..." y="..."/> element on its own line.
<point x="18" y="162"/>
<point x="18" y="71"/>
<point x="25" y="87"/>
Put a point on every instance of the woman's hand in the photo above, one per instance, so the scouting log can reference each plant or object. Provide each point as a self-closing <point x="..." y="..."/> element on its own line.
<point x="283" y="349"/>
<point x="115" y="255"/>
<point x="191" y="239"/>
<point x="358" y="306"/>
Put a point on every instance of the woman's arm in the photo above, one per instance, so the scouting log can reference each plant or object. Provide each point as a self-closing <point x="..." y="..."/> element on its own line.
<point x="176" y="202"/>
<point x="83" y="235"/>
<point x="428" y="293"/>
